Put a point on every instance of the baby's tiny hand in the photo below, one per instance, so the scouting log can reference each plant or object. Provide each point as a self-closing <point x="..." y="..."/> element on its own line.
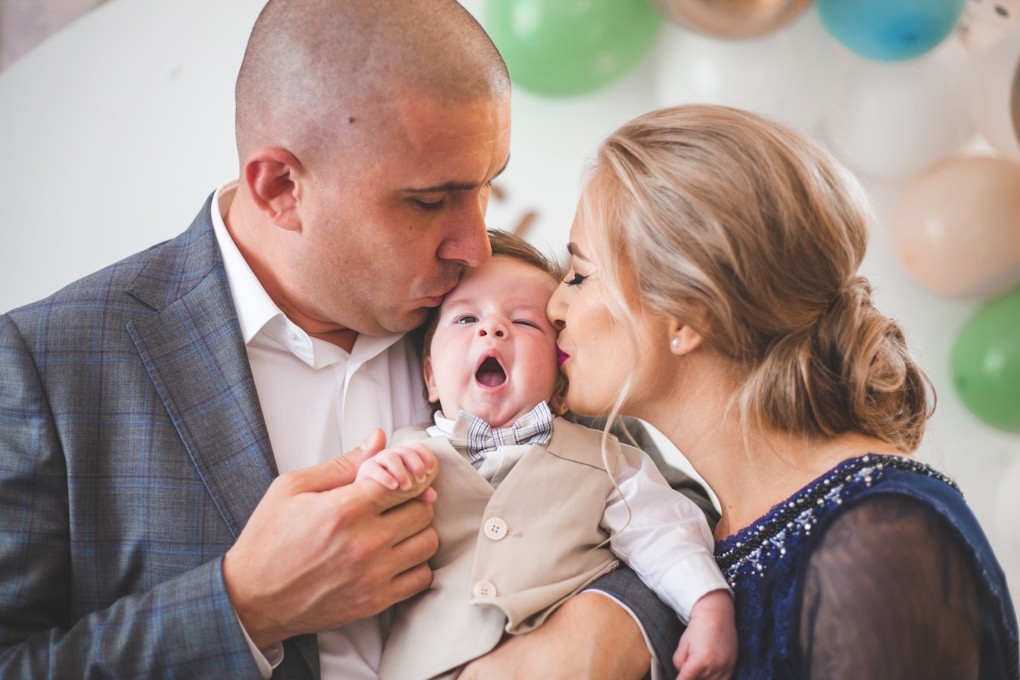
<point x="399" y="468"/>
<point x="708" y="648"/>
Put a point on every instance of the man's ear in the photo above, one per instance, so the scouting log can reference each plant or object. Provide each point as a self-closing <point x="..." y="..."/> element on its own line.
<point x="430" y="381"/>
<point x="683" y="339"/>
<point x="272" y="176"/>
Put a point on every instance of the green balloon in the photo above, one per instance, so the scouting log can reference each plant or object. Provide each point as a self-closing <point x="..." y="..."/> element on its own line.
<point x="986" y="363"/>
<point x="570" y="47"/>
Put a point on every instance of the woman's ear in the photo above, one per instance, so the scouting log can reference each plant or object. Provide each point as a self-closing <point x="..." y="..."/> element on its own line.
<point x="683" y="339"/>
<point x="272" y="176"/>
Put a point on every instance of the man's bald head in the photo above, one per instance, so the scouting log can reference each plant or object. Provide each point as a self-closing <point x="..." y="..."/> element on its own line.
<point x="313" y="66"/>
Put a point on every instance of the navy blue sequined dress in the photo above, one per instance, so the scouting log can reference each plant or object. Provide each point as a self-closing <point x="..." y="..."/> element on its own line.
<point x="877" y="569"/>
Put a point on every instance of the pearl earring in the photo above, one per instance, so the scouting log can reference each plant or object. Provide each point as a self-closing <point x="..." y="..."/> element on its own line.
<point x="675" y="342"/>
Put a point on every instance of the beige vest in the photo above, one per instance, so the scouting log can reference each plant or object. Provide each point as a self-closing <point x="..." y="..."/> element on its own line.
<point x="508" y="556"/>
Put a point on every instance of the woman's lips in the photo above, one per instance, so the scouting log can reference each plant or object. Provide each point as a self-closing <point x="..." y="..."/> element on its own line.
<point x="561" y="356"/>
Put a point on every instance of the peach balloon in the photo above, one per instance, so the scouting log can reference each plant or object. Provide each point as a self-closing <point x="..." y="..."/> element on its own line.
<point x="732" y="18"/>
<point x="956" y="227"/>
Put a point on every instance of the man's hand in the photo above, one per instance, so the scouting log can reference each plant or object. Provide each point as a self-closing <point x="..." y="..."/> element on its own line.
<point x="590" y="637"/>
<point x="319" y="551"/>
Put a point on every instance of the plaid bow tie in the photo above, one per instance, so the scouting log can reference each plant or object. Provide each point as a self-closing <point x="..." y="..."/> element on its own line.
<point x="476" y="437"/>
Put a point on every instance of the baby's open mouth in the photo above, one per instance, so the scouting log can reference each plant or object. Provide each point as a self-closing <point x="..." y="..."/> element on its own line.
<point x="491" y="373"/>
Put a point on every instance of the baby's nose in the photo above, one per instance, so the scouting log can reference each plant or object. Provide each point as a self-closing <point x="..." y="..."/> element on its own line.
<point x="492" y="327"/>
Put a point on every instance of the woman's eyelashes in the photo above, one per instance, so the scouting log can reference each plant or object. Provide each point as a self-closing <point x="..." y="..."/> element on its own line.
<point x="575" y="280"/>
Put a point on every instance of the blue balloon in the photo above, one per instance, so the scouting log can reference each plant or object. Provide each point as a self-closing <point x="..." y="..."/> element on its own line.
<point x="890" y="30"/>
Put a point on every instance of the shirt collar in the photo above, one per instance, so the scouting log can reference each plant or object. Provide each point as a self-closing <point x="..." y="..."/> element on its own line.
<point x="261" y="321"/>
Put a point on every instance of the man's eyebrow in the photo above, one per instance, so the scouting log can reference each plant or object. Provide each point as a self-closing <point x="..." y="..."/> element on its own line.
<point x="455" y="186"/>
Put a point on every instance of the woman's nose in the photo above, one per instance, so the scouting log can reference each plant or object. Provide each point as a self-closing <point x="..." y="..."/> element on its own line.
<point x="556" y="310"/>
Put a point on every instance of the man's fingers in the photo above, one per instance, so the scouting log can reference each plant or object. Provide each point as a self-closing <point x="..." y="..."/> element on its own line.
<point x="338" y="471"/>
<point x="414" y="549"/>
<point x="374" y="499"/>
<point x="411" y="582"/>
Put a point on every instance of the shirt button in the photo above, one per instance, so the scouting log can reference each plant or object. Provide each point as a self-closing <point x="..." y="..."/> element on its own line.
<point x="484" y="590"/>
<point x="495" y="528"/>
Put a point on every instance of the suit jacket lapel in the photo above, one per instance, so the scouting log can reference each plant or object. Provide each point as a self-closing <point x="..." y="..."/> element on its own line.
<point x="192" y="348"/>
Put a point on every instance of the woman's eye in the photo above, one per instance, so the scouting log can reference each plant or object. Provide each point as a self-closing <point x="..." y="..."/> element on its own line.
<point x="575" y="280"/>
<point x="465" y="318"/>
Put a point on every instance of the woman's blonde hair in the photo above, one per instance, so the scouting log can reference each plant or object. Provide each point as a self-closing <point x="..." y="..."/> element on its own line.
<point x="753" y="235"/>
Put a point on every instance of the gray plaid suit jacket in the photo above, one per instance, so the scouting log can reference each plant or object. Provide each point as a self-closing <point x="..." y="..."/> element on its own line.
<point x="132" y="452"/>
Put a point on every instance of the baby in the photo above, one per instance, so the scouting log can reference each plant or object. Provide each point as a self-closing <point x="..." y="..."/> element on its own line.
<point x="531" y="508"/>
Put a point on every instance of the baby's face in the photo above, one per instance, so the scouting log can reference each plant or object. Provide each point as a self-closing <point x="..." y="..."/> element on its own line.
<point x="494" y="351"/>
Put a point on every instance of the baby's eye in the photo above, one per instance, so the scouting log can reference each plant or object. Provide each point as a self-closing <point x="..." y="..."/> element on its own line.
<point x="526" y="322"/>
<point x="465" y="318"/>
<point x="575" y="280"/>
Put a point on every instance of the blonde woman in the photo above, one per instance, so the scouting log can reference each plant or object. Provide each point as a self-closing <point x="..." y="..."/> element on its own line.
<point x="714" y="277"/>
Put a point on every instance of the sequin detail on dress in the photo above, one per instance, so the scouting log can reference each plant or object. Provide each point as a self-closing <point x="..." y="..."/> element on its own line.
<point x="753" y="548"/>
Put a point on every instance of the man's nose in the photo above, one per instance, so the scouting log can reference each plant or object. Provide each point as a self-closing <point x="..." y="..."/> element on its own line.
<point x="468" y="241"/>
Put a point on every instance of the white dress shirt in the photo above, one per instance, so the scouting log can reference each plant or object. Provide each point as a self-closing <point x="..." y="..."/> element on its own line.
<point x="318" y="401"/>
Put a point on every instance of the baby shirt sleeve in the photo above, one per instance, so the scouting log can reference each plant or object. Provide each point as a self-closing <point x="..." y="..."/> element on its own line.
<point x="661" y="534"/>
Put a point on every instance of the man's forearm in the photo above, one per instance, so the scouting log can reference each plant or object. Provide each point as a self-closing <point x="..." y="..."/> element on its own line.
<point x="659" y="623"/>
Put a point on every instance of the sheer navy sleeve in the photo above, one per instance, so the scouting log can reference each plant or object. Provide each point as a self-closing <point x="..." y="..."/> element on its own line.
<point x="892" y="592"/>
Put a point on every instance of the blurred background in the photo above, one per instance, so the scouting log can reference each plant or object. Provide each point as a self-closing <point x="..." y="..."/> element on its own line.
<point x="116" y="122"/>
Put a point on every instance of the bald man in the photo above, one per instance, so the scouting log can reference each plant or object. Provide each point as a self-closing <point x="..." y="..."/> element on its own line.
<point x="172" y="502"/>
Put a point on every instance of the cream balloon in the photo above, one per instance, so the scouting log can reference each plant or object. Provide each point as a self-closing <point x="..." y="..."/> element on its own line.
<point x="732" y="18"/>
<point x="890" y="120"/>
<point x="997" y="90"/>
<point x="956" y="226"/>
<point x="784" y="75"/>
<point x="983" y="23"/>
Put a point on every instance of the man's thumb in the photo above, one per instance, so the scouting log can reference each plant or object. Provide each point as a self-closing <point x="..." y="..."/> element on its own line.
<point x="373" y="443"/>
<point x="342" y="470"/>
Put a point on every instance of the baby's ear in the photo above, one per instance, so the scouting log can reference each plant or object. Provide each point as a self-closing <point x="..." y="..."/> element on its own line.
<point x="558" y="401"/>
<point x="431" y="393"/>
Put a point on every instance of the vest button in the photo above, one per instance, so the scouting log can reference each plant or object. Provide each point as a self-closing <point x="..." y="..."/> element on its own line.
<point x="495" y="528"/>
<point x="484" y="590"/>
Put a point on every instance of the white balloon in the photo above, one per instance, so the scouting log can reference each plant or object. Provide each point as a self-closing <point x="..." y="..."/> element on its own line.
<point x="783" y="75"/>
<point x="983" y="23"/>
<point x="890" y="119"/>
<point x="995" y="84"/>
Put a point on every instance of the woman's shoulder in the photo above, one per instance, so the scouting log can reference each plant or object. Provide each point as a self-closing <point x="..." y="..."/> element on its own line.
<point x="796" y="523"/>
<point x="876" y="544"/>
<point x="923" y="564"/>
